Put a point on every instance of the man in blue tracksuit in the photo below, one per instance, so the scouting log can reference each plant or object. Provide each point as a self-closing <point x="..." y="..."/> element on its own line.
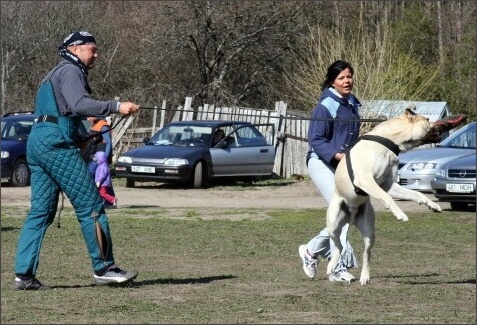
<point x="333" y="127"/>
<point x="56" y="165"/>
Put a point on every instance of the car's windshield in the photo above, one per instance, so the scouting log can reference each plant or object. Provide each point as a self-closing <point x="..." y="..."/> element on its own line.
<point x="183" y="135"/>
<point x="15" y="129"/>
<point x="463" y="138"/>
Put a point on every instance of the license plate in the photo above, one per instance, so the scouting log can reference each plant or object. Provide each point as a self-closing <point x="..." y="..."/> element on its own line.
<point x="460" y="188"/>
<point x="143" y="169"/>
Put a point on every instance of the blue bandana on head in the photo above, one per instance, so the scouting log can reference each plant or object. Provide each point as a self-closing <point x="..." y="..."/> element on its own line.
<point x="76" y="38"/>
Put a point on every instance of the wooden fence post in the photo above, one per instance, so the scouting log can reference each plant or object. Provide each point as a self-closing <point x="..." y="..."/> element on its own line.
<point x="154" y="118"/>
<point x="163" y="114"/>
<point x="187" y="114"/>
<point x="281" y="109"/>
<point x="177" y="114"/>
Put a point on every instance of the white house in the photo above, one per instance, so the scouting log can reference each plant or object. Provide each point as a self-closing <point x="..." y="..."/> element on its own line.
<point x="391" y="108"/>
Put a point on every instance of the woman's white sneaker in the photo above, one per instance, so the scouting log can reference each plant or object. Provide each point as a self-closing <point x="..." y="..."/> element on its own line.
<point x="310" y="264"/>
<point x="341" y="276"/>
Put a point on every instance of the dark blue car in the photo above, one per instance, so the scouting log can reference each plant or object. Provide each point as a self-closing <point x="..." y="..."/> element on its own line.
<point x="15" y="130"/>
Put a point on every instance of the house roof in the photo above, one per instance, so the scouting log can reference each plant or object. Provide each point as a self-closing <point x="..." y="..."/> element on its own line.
<point x="391" y="108"/>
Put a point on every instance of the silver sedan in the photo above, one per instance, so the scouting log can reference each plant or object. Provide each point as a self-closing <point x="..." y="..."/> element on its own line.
<point x="418" y="167"/>
<point x="455" y="182"/>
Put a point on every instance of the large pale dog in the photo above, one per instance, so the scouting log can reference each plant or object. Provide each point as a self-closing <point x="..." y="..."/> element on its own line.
<point x="369" y="169"/>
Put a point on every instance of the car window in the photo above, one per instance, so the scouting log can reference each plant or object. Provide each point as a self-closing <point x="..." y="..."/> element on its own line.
<point x="183" y="135"/>
<point x="246" y="136"/>
<point x="463" y="138"/>
<point x="16" y="129"/>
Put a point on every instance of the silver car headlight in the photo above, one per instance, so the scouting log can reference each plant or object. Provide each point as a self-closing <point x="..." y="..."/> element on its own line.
<point x="441" y="172"/>
<point x="422" y="166"/>
<point x="176" y="162"/>
<point x="125" y="159"/>
<point x="5" y="154"/>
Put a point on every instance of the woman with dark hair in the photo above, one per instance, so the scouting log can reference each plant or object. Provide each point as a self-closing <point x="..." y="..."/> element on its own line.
<point x="333" y="127"/>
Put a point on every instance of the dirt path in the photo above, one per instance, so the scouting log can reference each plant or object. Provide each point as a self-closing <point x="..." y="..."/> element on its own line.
<point x="288" y="194"/>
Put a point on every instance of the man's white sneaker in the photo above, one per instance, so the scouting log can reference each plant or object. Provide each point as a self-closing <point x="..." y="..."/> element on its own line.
<point x="114" y="275"/>
<point x="309" y="264"/>
<point x="341" y="276"/>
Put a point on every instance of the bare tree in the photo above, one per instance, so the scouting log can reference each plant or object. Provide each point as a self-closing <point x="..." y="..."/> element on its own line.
<point x="381" y="71"/>
<point x="28" y="51"/>
<point x="237" y="52"/>
<point x="234" y="45"/>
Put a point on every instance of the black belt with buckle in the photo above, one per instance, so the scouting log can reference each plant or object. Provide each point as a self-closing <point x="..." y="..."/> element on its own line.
<point x="47" y="118"/>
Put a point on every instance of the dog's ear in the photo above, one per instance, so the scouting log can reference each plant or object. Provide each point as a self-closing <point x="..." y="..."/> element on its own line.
<point x="410" y="110"/>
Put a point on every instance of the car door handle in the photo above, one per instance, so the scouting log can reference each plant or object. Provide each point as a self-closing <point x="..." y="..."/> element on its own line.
<point x="263" y="150"/>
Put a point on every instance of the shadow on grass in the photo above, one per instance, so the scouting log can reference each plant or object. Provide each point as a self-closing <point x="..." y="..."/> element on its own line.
<point x="139" y="207"/>
<point x="468" y="281"/>
<point x="135" y="283"/>
<point x="201" y="280"/>
<point x="425" y="279"/>
<point x="8" y="228"/>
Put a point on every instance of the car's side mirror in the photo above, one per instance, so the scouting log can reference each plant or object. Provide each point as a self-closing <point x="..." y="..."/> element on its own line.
<point x="146" y="139"/>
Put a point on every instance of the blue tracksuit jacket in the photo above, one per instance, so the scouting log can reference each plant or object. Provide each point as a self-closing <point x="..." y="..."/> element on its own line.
<point x="331" y="133"/>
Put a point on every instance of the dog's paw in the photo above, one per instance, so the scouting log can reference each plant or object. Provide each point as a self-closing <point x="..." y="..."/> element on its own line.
<point x="401" y="216"/>
<point x="398" y="213"/>
<point x="434" y="207"/>
<point x="431" y="205"/>
<point x="364" y="279"/>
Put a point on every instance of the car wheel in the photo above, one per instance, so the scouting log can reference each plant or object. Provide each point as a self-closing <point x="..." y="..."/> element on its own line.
<point x="21" y="174"/>
<point x="198" y="175"/>
<point x="459" y="205"/>
<point x="129" y="183"/>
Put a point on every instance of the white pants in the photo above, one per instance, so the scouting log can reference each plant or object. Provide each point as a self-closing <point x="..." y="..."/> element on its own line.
<point x="323" y="176"/>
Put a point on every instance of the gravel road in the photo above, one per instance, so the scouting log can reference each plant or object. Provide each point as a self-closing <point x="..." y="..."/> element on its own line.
<point x="288" y="194"/>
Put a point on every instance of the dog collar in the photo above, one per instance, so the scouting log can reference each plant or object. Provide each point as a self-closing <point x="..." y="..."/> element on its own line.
<point x="384" y="141"/>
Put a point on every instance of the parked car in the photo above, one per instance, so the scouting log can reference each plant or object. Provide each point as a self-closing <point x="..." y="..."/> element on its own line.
<point x="15" y="130"/>
<point x="418" y="167"/>
<point x="455" y="182"/>
<point x="184" y="152"/>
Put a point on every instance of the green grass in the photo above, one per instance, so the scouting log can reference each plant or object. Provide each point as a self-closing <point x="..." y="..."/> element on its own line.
<point x="197" y="270"/>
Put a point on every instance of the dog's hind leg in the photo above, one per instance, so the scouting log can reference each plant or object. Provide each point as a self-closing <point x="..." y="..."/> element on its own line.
<point x="337" y="216"/>
<point x="365" y="222"/>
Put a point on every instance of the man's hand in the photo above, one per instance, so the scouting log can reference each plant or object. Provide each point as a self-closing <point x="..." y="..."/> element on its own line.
<point x="128" y="108"/>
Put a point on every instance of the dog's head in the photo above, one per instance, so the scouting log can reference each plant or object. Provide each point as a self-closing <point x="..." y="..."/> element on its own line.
<point x="408" y="130"/>
<point x="432" y="134"/>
